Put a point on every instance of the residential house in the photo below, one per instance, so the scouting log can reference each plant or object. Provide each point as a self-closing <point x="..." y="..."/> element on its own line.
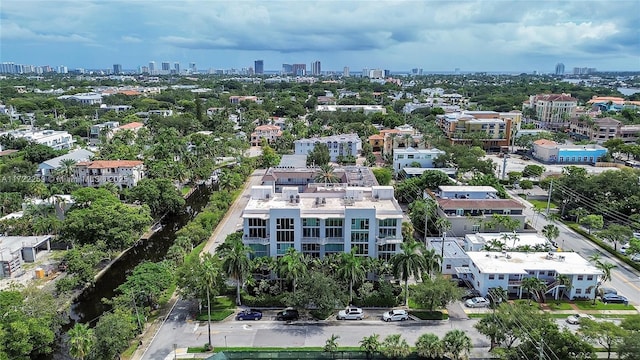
<point x="548" y="151"/>
<point x="452" y="255"/>
<point x="269" y="132"/>
<point x="238" y="99"/>
<point x="338" y="145"/>
<point x="57" y="140"/>
<point x="84" y="99"/>
<point x="507" y="270"/>
<point x="471" y="209"/>
<point x="552" y="111"/>
<point x="107" y="129"/>
<point x="403" y="158"/>
<point x="122" y="173"/>
<point x="329" y="220"/>
<point x="47" y="170"/>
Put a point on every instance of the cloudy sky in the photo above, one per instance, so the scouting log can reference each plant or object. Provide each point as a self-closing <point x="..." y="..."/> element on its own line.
<point x="498" y="35"/>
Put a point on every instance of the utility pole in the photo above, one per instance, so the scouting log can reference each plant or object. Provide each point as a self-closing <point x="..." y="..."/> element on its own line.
<point x="549" y="197"/>
<point x="541" y="350"/>
<point x="504" y="165"/>
<point x="444" y="236"/>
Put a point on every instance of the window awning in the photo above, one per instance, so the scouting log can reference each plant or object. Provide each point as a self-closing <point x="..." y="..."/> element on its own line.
<point x="389" y="216"/>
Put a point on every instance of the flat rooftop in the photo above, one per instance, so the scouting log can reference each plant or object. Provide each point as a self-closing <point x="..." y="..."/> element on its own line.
<point x="521" y="262"/>
<point x="15" y="243"/>
<point x="452" y="250"/>
<point x="524" y="239"/>
<point x="449" y="188"/>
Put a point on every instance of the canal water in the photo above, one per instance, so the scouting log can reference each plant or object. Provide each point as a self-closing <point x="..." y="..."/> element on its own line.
<point x="88" y="307"/>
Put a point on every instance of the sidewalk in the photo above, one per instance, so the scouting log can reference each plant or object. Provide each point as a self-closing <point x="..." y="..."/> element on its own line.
<point x="151" y="329"/>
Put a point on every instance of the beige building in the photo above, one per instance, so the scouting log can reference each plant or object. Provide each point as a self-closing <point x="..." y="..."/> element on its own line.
<point x="122" y="173"/>
<point x="268" y="132"/>
<point x="553" y="111"/>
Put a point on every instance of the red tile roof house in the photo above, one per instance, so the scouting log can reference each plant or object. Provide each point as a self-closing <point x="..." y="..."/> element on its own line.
<point x="269" y="132"/>
<point x="122" y="173"/>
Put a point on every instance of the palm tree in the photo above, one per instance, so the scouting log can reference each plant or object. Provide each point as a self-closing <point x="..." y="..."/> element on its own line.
<point x="565" y="282"/>
<point x="429" y="346"/>
<point x="331" y="346"/>
<point x="551" y="232"/>
<point x="409" y="262"/>
<point x="81" y="340"/>
<point x="66" y="168"/>
<point x="443" y="225"/>
<point x="208" y="270"/>
<point x="457" y="344"/>
<point x="370" y="345"/>
<point x="433" y="261"/>
<point x="351" y="269"/>
<point x="395" y="347"/>
<point x="326" y="174"/>
<point x="292" y="266"/>
<point x="236" y="263"/>
<point x="605" y="267"/>
<point x="533" y="285"/>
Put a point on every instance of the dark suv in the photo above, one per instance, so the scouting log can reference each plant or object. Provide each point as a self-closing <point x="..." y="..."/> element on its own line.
<point x="287" y="315"/>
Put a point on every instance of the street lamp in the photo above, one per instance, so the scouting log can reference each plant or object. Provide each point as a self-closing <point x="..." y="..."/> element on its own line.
<point x="175" y="351"/>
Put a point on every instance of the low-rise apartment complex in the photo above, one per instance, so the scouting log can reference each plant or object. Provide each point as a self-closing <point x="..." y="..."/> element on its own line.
<point x="552" y="111"/>
<point x="491" y="128"/>
<point x="403" y="158"/>
<point x="268" y="132"/>
<point x="338" y="145"/>
<point x="471" y="209"/>
<point x="548" y="151"/>
<point x="329" y="219"/>
<point x="122" y="173"/>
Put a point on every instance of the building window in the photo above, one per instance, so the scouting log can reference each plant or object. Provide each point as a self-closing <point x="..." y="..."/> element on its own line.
<point x="550" y="273"/>
<point x="580" y="277"/>
<point x="448" y="267"/>
<point x="492" y="277"/>
<point x="578" y="291"/>
<point x="333" y="228"/>
<point x="312" y="250"/>
<point x="282" y="248"/>
<point x="310" y="227"/>
<point x="360" y="224"/>
<point x="475" y="228"/>
<point x="501" y="277"/>
<point x="285" y="230"/>
<point x="361" y="249"/>
<point x="257" y="228"/>
<point x="387" y="228"/>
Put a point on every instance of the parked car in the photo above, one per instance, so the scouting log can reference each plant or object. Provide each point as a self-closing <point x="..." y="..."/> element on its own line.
<point x="614" y="299"/>
<point x="635" y="257"/>
<point x="470" y="294"/>
<point x="606" y="290"/>
<point x="288" y="315"/>
<point x="249" y="315"/>
<point x="576" y="318"/>
<point x="351" y="313"/>
<point x="395" y="315"/>
<point x="477" y="302"/>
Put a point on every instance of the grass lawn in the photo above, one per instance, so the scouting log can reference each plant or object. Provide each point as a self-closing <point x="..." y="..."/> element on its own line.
<point x="128" y="353"/>
<point x="429" y="315"/>
<point x="562" y="305"/>
<point x="588" y="305"/>
<point x="477" y="315"/>
<point x="185" y="190"/>
<point x="541" y="204"/>
<point x="220" y="309"/>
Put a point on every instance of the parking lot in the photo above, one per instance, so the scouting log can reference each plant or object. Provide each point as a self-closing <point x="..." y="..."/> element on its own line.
<point x="516" y="163"/>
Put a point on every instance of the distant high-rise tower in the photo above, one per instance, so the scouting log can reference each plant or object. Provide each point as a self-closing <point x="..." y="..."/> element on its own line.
<point x="299" y="69"/>
<point x="258" y="67"/>
<point x="559" y="69"/>
<point x="287" y="68"/>
<point x="166" y="66"/>
<point x="315" y="68"/>
<point x="345" y="71"/>
<point x="192" y="68"/>
<point x="176" y="67"/>
<point x="152" y="67"/>
<point x="117" y="69"/>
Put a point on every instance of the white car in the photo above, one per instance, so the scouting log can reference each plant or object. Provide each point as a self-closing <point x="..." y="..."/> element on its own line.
<point x="395" y="315"/>
<point x="635" y="257"/>
<point x="351" y="313"/>
<point x="477" y="302"/>
<point x="576" y="318"/>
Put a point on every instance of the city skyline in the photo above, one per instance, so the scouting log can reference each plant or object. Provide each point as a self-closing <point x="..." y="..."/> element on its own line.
<point x="401" y="35"/>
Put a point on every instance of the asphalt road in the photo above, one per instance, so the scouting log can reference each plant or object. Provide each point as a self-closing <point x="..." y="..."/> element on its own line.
<point x="624" y="278"/>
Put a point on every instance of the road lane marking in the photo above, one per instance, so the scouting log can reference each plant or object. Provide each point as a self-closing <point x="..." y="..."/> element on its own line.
<point x="625" y="280"/>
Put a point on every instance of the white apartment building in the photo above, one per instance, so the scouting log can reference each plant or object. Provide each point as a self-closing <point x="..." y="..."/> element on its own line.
<point x="85" y="99"/>
<point x="331" y="220"/>
<point x="453" y="256"/>
<point x="403" y="158"/>
<point x="122" y="173"/>
<point x="339" y="145"/>
<point x="57" y="140"/>
<point x="507" y="270"/>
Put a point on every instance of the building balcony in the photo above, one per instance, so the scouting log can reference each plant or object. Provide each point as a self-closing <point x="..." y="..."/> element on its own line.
<point x="256" y="240"/>
<point x="387" y="240"/>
